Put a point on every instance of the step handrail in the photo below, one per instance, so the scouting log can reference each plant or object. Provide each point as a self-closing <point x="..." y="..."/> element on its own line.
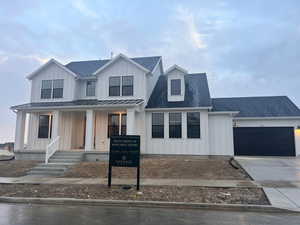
<point x="51" y="148"/>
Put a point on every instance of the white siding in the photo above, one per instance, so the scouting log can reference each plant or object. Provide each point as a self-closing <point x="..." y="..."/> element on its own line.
<point x="220" y="134"/>
<point x="51" y="72"/>
<point x="122" y="68"/>
<point x="272" y="123"/>
<point x="182" y="145"/>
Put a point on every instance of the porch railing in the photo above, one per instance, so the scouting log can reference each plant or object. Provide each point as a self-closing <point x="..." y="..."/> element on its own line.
<point x="52" y="148"/>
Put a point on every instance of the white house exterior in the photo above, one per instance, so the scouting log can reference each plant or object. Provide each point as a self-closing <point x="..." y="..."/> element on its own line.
<point x="78" y="106"/>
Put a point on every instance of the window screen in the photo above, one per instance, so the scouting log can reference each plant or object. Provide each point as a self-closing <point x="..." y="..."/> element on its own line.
<point x="175" y="125"/>
<point x="157" y="125"/>
<point x="193" y="124"/>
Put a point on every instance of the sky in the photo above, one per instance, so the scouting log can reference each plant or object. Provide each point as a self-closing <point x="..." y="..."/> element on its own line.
<point x="247" y="48"/>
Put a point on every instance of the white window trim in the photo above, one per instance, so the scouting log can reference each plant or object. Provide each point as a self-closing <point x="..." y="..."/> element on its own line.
<point x="121" y="85"/>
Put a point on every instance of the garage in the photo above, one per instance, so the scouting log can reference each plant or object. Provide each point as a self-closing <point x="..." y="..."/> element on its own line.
<point x="264" y="141"/>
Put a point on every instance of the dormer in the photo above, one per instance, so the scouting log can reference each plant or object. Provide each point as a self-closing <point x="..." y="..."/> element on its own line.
<point x="176" y="84"/>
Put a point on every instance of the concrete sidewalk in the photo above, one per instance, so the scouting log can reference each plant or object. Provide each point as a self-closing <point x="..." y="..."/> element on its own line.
<point x="116" y="181"/>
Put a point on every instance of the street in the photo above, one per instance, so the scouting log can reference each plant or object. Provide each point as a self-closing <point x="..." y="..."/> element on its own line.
<point x="27" y="214"/>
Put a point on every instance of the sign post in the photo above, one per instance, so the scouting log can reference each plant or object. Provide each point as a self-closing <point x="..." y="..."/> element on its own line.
<point x="124" y="152"/>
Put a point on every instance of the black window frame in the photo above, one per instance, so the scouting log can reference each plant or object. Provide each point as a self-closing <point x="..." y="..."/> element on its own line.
<point x="158" y="128"/>
<point x="45" y="130"/>
<point x="113" y="88"/>
<point x="90" y="88"/>
<point x="46" y="92"/>
<point x="127" y="89"/>
<point x="58" y="92"/>
<point x="193" y="124"/>
<point x="175" y="87"/>
<point x="175" y="127"/>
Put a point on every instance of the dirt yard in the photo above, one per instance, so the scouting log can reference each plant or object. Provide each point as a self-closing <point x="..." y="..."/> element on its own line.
<point x="179" y="167"/>
<point x="147" y="193"/>
<point x="16" y="168"/>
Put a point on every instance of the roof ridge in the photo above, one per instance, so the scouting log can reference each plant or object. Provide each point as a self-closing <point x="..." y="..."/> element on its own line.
<point x="265" y="96"/>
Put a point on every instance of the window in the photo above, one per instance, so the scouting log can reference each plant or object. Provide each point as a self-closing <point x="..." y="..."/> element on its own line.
<point x="127" y="86"/>
<point x="91" y="88"/>
<point x="116" y="124"/>
<point x="175" y="125"/>
<point x="114" y="86"/>
<point x="45" y="126"/>
<point x="193" y="124"/>
<point x="58" y="88"/>
<point x="157" y="125"/>
<point x="176" y="87"/>
<point x="52" y="89"/>
<point x="46" y="91"/>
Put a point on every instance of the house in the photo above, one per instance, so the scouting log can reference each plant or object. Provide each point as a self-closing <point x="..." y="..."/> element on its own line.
<point x="78" y="106"/>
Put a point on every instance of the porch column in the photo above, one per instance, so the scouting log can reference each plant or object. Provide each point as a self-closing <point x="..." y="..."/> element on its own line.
<point x="131" y="129"/>
<point x="20" y="131"/>
<point x="55" y="124"/>
<point x="89" y="131"/>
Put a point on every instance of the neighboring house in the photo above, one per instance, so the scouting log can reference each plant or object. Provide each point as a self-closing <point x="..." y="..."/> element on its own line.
<point x="9" y="146"/>
<point x="78" y="106"/>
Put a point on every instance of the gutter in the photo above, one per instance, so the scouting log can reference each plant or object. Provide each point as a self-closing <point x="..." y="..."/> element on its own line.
<point x="178" y="109"/>
<point x="268" y="118"/>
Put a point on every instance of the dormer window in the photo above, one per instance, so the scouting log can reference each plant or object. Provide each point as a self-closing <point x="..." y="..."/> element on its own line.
<point x="176" y="87"/>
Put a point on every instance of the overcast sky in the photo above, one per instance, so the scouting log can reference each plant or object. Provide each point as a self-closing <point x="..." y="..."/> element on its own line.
<point x="247" y="48"/>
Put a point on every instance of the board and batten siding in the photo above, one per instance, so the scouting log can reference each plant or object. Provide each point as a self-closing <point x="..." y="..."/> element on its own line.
<point x="121" y="68"/>
<point x="184" y="145"/>
<point x="220" y="134"/>
<point x="288" y="122"/>
<point x="52" y="72"/>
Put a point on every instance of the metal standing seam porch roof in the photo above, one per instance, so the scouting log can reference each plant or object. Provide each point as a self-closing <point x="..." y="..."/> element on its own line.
<point x="78" y="104"/>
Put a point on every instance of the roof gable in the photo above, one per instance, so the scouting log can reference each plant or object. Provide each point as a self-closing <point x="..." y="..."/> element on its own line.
<point x="120" y="56"/>
<point x="268" y="106"/>
<point x="51" y="61"/>
<point x="196" y="93"/>
<point x="176" y="67"/>
<point x="89" y="68"/>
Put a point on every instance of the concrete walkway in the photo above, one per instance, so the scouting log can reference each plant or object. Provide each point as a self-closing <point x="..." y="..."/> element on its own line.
<point x="115" y="181"/>
<point x="280" y="178"/>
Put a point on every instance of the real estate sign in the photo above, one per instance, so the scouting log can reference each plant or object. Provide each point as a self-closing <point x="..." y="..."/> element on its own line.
<point x="124" y="152"/>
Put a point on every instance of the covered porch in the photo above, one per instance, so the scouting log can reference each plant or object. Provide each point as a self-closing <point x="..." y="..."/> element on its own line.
<point x="84" y="129"/>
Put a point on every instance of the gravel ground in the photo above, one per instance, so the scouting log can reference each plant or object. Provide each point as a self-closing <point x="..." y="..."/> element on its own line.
<point x="185" y="167"/>
<point x="16" y="168"/>
<point x="147" y="193"/>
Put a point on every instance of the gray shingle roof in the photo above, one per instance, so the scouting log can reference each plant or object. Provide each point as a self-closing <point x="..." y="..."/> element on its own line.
<point x="196" y="93"/>
<point x="82" y="103"/>
<point x="273" y="106"/>
<point x="87" y="68"/>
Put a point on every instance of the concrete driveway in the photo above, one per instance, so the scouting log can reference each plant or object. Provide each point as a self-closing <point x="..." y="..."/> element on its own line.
<point x="280" y="178"/>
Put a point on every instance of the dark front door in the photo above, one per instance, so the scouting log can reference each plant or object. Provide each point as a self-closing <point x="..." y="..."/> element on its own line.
<point x="264" y="141"/>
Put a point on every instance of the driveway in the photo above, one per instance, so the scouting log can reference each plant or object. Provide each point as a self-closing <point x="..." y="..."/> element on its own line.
<point x="280" y="178"/>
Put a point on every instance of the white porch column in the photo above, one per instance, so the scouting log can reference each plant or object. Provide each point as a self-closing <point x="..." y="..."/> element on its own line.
<point x="20" y="131"/>
<point x="55" y="124"/>
<point x="131" y="129"/>
<point x="89" y="131"/>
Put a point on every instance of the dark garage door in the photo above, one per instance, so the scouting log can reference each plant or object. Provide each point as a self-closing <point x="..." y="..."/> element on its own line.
<point x="264" y="141"/>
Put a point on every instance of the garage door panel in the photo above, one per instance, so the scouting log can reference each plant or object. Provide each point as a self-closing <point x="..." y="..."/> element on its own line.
<point x="264" y="141"/>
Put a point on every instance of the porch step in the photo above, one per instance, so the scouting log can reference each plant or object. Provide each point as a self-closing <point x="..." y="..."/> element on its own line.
<point x="65" y="160"/>
<point x="48" y="169"/>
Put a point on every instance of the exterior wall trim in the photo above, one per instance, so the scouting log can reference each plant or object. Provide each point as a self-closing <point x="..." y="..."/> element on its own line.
<point x="267" y="118"/>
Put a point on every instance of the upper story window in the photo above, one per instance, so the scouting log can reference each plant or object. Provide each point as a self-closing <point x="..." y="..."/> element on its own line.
<point x="45" y="126"/>
<point x="114" y="86"/>
<point x="127" y="86"/>
<point x="176" y="87"/>
<point x="193" y="125"/>
<point x="91" y="88"/>
<point x="175" y="125"/>
<point x="121" y="87"/>
<point x="52" y="89"/>
<point x="157" y="125"/>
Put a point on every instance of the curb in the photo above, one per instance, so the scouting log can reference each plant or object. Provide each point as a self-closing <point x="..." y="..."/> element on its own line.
<point x="146" y="204"/>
